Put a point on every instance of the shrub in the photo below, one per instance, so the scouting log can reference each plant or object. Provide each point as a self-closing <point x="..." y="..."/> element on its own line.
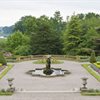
<point x="92" y="58"/>
<point x="0" y="64"/>
<point x="2" y="59"/>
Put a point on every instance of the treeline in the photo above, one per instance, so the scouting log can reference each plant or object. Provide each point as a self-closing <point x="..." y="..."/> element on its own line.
<point x="78" y="35"/>
<point x="6" y="31"/>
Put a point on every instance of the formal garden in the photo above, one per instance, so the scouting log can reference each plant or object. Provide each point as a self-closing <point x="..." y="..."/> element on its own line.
<point x="49" y="55"/>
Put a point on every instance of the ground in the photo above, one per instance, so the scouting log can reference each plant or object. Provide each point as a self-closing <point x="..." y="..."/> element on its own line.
<point x="57" y="88"/>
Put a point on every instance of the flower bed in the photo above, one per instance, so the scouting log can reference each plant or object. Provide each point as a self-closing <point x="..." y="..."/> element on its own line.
<point x="91" y="71"/>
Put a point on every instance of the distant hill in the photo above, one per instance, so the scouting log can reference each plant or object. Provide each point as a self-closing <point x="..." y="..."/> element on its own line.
<point x="6" y="31"/>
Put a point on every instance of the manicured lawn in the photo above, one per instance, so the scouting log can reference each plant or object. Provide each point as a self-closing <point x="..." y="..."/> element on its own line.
<point x="5" y="71"/>
<point x="43" y="61"/>
<point x="92" y="72"/>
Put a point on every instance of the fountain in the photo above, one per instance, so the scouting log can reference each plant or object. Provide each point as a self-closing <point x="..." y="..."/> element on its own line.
<point x="48" y="71"/>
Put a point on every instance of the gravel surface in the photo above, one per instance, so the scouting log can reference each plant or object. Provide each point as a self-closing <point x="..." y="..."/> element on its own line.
<point x="25" y="82"/>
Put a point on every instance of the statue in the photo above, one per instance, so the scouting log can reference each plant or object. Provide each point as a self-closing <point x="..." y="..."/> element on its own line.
<point x="48" y="69"/>
<point x="48" y="63"/>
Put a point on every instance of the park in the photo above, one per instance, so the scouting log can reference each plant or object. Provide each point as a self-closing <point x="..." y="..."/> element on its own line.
<point x="49" y="50"/>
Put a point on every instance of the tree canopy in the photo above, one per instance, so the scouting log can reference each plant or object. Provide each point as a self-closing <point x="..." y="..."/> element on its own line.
<point x="78" y="35"/>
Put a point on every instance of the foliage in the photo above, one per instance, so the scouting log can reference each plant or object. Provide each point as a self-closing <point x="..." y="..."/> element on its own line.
<point x="92" y="58"/>
<point x="91" y="92"/>
<point x="45" y="40"/>
<point x="3" y="45"/>
<point x="92" y="72"/>
<point x="18" y="43"/>
<point x="87" y="34"/>
<point x="42" y="31"/>
<point x="5" y="92"/>
<point x="0" y="64"/>
<point x="79" y="35"/>
<point x="72" y="36"/>
<point x="97" y="64"/>
<point x="2" y="59"/>
<point x="23" y="50"/>
<point x="5" y="71"/>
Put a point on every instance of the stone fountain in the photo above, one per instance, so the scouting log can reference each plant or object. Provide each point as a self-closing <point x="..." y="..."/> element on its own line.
<point x="48" y="71"/>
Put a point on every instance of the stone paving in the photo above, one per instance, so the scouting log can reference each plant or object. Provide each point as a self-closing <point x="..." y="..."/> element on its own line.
<point x="48" y="88"/>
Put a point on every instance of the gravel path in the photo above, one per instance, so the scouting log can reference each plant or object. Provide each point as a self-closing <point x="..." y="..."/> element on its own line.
<point x="70" y="82"/>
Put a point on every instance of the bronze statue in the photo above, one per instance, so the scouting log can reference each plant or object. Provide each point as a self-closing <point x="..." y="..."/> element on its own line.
<point x="48" y="63"/>
<point x="48" y="69"/>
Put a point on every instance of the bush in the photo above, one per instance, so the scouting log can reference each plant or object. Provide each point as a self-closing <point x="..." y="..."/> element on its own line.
<point x="92" y="58"/>
<point x="0" y="64"/>
<point x="2" y="59"/>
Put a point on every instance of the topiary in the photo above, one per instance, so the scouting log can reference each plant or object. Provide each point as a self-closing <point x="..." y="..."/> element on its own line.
<point x="92" y="58"/>
<point x="2" y="59"/>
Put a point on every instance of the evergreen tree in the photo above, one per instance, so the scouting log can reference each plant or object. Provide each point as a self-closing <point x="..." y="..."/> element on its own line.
<point x="45" y="40"/>
<point x="92" y="58"/>
<point x="72" y="36"/>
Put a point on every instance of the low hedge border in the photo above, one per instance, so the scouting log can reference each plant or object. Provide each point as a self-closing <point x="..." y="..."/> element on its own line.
<point x="90" y="94"/>
<point x="4" y="72"/>
<point x="91" y="71"/>
<point x="6" y="93"/>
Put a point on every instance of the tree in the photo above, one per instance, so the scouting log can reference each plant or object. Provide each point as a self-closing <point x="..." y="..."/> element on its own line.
<point x="72" y="36"/>
<point x="16" y="40"/>
<point x="45" y="40"/>
<point x="23" y="50"/>
<point x="26" y="25"/>
<point x="92" y="58"/>
<point x="2" y="59"/>
<point x="3" y="45"/>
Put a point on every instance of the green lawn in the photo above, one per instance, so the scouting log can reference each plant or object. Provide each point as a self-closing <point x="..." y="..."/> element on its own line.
<point x="92" y="72"/>
<point x="5" y="71"/>
<point x="43" y="61"/>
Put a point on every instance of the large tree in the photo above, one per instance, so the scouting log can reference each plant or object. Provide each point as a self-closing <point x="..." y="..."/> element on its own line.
<point x="72" y="36"/>
<point x="45" y="40"/>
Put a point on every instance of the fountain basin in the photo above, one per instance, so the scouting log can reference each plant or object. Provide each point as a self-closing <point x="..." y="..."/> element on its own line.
<point x="56" y="72"/>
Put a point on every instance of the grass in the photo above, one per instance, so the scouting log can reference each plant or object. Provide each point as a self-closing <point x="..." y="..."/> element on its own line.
<point x="92" y="72"/>
<point x="43" y="61"/>
<point x="5" y="71"/>
<point x="5" y="93"/>
<point x="91" y="92"/>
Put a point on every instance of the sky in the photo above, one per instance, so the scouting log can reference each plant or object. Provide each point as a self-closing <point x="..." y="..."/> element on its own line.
<point x="12" y="10"/>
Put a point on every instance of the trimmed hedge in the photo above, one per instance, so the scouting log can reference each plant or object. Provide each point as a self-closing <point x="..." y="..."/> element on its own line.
<point x="91" y="92"/>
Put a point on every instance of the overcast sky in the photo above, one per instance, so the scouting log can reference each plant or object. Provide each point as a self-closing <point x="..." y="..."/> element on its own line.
<point x="12" y="10"/>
